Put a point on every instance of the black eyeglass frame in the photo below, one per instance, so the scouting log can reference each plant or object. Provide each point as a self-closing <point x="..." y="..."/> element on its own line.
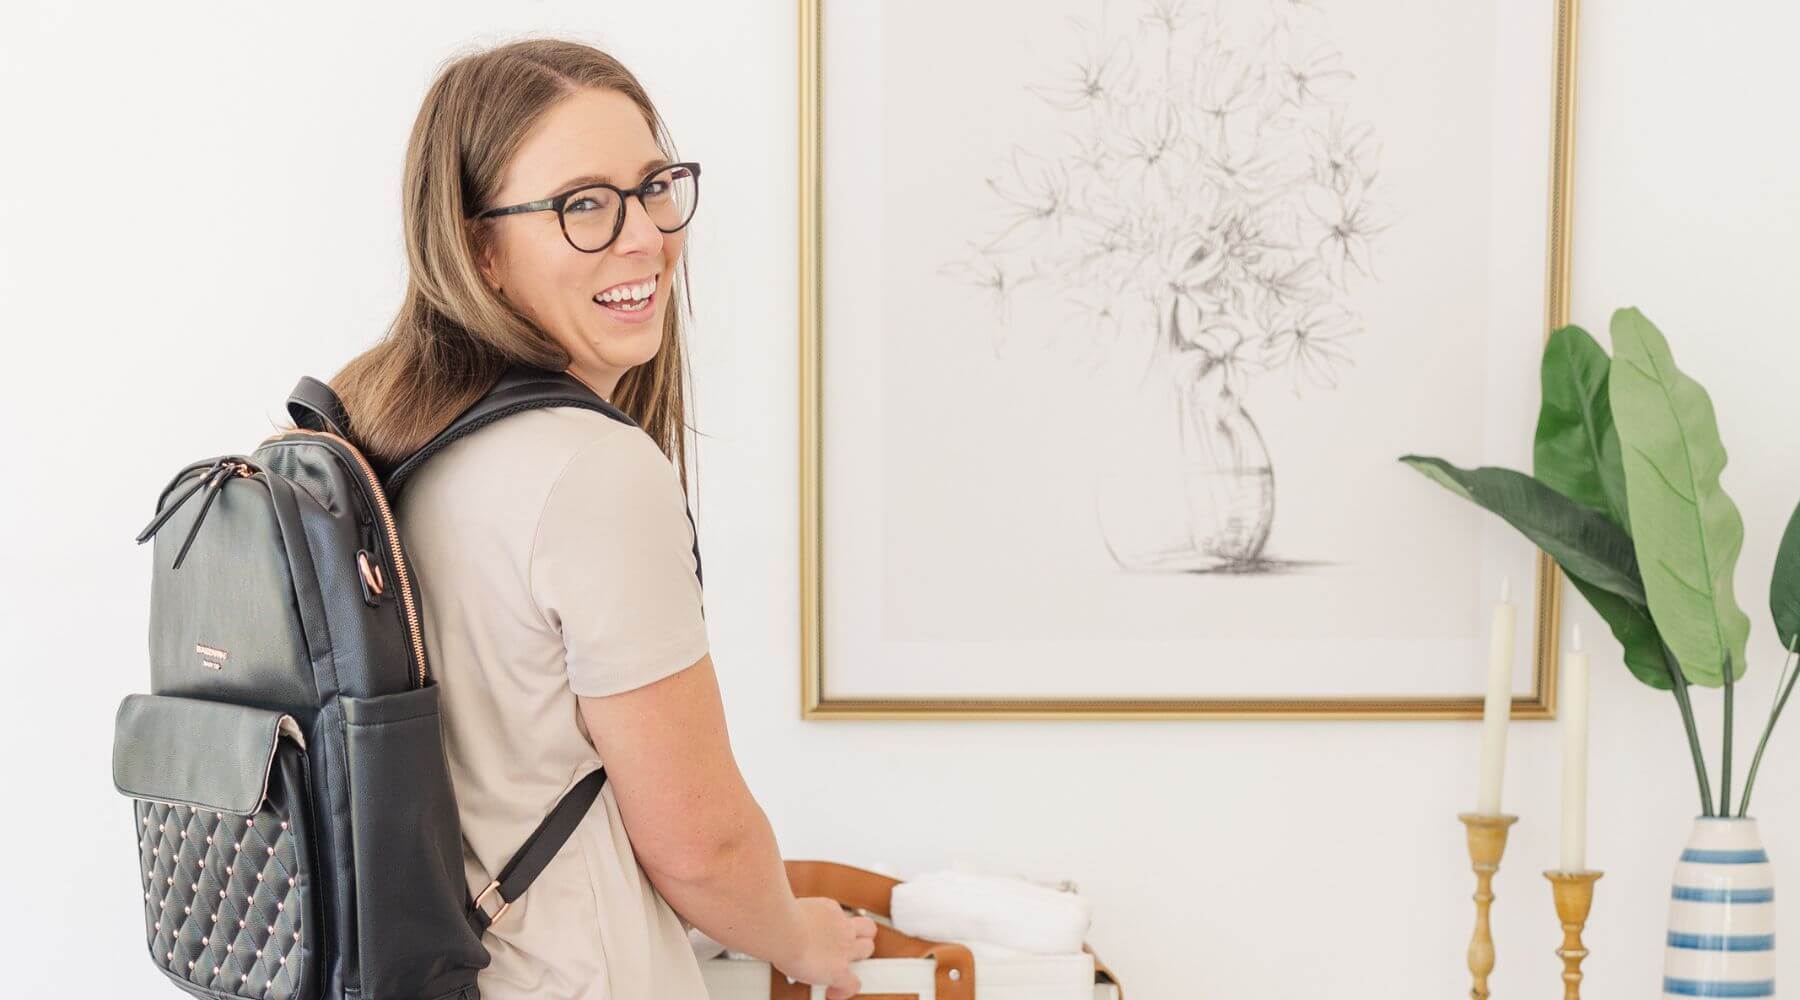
<point x="555" y="203"/>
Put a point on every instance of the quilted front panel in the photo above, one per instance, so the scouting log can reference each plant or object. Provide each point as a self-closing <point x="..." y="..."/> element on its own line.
<point x="226" y="897"/>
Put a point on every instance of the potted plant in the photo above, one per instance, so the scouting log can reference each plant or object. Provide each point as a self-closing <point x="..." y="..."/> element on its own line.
<point x="1625" y="496"/>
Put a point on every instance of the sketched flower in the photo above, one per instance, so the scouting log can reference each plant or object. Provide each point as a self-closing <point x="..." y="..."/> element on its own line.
<point x="1210" y="187"/>
<point x="1286" y="283"/>
<point x="1313" y="77"/>
<point x="1343" y="154"/>
<point x="1226" y="84"/>
<point x="1101" y="75"/>
<point x="1148" y="144"/>
<point x="1220" y="347"/>
<point x="991" y="273"/>
<point x="1347" y="221"/>
<point x="1310" y="341"/>
<point x="1246" y="169"/>
<point x="1195" y="300"/>
<point x="1289" y="16"/>
<point x="1109" y="255"/>
<point x="1104" y="316"/>
<point x="1104" y="311"/>
<point x="1168" y="16"/>
<point x="1249" y="240"/>
<point x="1037" y="190"/>
<point x="1193" y="262"/>
<point x="1089" y="153"/>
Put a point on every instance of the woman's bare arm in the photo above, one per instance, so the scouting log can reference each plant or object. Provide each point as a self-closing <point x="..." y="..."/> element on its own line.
<point x="696" y="829"/>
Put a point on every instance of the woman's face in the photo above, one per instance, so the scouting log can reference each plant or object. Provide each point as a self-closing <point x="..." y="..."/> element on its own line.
<point x="591" y="135"/>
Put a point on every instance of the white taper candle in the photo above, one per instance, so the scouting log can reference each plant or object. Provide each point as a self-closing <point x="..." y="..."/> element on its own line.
<point x="1498" y="707"/>
<point x="1575" y="751"/>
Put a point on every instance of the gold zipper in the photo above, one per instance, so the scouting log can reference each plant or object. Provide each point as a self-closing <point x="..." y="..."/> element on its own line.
<point x="393" y="536"/>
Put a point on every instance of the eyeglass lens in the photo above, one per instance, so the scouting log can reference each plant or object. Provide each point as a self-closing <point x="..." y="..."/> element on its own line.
<point x="592" y="215"/>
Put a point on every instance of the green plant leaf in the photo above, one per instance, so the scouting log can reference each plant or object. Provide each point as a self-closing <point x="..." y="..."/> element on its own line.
<point x="1685" y="528"/>
<point x="1583" y="541"/>
<point x="1784" y="588"/>
<point x="1632" y="626"/>
<point x="1576" y="449"/>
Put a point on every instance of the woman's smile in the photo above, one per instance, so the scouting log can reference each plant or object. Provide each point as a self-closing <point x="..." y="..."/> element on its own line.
<point x="630" y="302"/>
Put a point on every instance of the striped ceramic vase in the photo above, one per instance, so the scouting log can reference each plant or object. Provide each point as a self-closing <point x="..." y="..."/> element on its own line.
<point x="1722" y="914"/>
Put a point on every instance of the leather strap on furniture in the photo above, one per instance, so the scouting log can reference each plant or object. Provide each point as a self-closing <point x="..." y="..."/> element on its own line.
<point x="872" y="893"/>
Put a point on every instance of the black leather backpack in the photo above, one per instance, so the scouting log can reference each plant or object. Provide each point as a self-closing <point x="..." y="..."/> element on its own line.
<point x="292" y="806"/>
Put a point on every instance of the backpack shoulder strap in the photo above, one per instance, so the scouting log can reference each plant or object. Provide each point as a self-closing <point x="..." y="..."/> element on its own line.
<point x="529" y="862"/>
<point x="520" y="387"/>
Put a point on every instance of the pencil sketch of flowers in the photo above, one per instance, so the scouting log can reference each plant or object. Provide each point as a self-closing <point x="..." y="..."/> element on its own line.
<point x="1211" y="196"/>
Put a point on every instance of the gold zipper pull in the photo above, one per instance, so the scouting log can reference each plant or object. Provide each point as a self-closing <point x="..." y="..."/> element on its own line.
<point x="368" y="569"/>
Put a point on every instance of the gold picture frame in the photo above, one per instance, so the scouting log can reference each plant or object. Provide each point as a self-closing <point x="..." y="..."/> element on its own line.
<point x="1540" y="703"/>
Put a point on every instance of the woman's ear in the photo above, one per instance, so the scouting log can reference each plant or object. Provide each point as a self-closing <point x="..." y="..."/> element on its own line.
<point x="485" y="262"/>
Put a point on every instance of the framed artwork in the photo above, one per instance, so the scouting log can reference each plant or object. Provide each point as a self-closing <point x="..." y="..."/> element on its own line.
<point x="1116" y="316"/>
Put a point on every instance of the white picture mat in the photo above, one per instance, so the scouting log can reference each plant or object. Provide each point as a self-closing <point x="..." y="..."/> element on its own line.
<point x="960" y="557"/>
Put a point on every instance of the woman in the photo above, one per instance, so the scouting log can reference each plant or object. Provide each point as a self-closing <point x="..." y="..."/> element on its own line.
<point x="552" y="548"/>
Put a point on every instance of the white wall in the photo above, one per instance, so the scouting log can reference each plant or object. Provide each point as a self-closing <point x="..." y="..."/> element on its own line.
<point x="198" y="204"/>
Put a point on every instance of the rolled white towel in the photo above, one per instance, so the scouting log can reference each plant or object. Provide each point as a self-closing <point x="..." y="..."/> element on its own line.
<point x="994" y="909"/>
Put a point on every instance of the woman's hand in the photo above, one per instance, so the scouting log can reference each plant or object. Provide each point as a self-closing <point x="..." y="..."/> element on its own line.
<point x="831" y="940"/>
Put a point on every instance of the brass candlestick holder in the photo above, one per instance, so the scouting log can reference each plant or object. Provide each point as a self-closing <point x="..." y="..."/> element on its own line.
<point x="1574" y="892"/>
<point x="1487" y="842"/>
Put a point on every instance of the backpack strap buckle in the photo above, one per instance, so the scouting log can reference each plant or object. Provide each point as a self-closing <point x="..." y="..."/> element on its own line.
<point x="491" y="919"/>
<point x="543" y="844"/>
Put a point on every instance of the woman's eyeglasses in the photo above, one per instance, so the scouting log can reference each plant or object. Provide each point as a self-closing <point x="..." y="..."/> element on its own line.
<point x="593" y="215"/>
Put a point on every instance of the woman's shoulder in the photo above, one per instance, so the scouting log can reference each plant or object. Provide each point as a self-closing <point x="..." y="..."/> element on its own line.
<point x="551" y="429"/>
<point x="546" y="437"/>
<point x="522" y="459"/>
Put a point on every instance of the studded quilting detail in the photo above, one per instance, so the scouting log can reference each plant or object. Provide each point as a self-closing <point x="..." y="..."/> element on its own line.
<point x="222" y="897"/>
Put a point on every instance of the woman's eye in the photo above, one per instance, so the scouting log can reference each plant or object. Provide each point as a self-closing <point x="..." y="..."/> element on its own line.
<point x="580" y="205"/>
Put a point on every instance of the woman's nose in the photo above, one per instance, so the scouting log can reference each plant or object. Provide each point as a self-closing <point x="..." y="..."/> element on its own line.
<point x="639" y="231"/>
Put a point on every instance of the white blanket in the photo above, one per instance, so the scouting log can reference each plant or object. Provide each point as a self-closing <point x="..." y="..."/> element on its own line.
<point x="996" y="915"/>
<point x="991" y="909"/>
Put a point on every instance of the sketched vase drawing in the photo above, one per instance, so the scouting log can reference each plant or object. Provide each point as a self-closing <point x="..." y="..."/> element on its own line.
<point x="1200" y="496"/>
<point x="1207" y="188"/>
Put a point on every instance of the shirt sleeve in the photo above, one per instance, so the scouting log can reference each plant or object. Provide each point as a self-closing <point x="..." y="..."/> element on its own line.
<point x="613" y="566"/>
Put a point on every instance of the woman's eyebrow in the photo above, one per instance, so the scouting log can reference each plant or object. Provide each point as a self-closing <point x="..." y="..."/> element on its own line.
<point x="602" y="178"/>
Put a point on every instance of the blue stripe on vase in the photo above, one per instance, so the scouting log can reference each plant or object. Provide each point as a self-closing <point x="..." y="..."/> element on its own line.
<point x="1710" y="988"/>
<point x="1755" y="857"/>
<point x="1722" y="942"/>
<point x="1695" y="894"/>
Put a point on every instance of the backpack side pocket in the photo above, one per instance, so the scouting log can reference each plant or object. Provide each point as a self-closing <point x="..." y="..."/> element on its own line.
<point x="412" y="898"/>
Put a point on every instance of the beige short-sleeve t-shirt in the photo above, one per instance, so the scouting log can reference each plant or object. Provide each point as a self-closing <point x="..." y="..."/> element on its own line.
<point x="553" y="557"/>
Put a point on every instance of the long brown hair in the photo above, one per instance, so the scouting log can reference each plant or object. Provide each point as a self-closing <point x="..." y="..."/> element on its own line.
<point x="453" y="336"/>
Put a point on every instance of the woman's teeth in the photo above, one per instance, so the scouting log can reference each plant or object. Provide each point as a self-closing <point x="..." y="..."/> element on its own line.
<point x="628" y="298"/>
<point x="631" y="305"/>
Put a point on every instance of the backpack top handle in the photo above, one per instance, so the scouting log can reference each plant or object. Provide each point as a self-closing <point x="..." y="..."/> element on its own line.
<point x="314" y="406"/>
